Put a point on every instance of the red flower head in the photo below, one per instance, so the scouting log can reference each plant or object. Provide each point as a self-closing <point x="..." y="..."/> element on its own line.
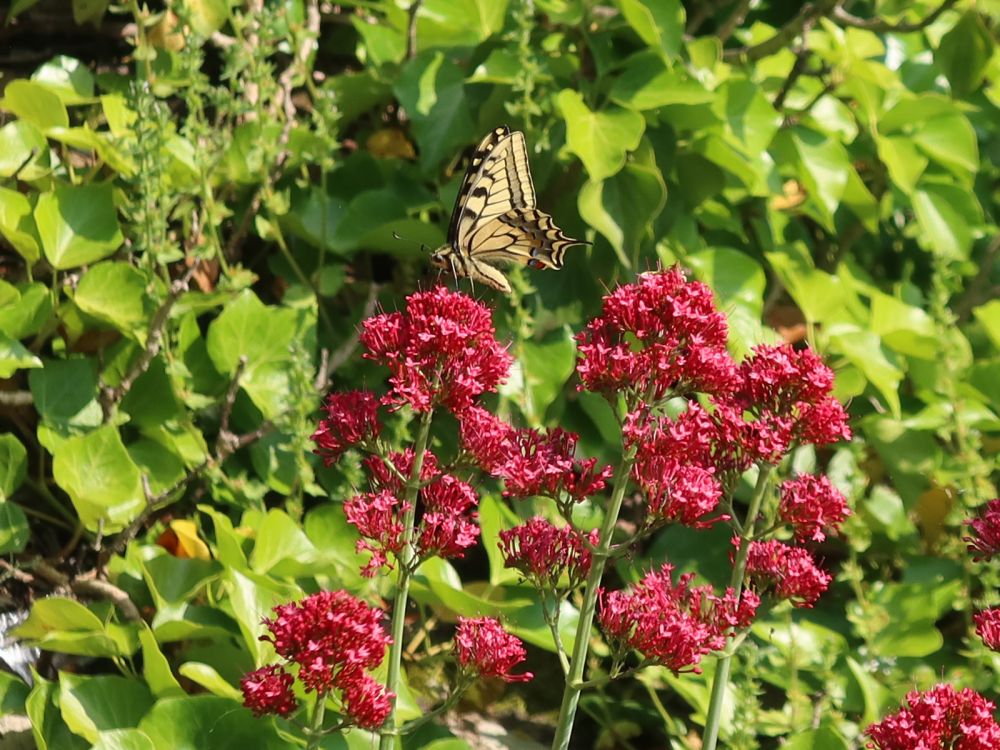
<point x="786" y="572"/>
<point x="988" y="627"/>
<point x="985" y="539"/>
<point x="483" y="647"/>
<point x="329" y="635"/>
<point x="939" y="718"/>
<point x="383" y="478"/>
<point x="268" y="690"/>
<point x="673" y="624"/>
<point x="661" y="333"/>
<point x="378" y="517"/>
<point x="812" y="505"/>
<point x="447" y="528"/>
<point x="351" y="419"/>
<point x="788" y="392"/>
<point x="543" y="553"/>
<point x="441" y="351"/>
<point x="486" y="438"/>
<point x="365" y="701"/>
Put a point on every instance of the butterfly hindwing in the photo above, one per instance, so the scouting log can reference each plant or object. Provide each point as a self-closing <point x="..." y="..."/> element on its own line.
<point x="495" y="219"/>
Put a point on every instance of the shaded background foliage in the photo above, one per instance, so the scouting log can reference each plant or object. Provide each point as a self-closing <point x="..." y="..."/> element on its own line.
<point x="198" y="203"/>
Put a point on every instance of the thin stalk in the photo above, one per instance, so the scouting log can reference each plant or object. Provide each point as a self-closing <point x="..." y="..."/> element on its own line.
<point x="721" y="679"/>
<point x="316" y="726"/>
<point x="404" y="572"/>
<point x="581" y="644"/>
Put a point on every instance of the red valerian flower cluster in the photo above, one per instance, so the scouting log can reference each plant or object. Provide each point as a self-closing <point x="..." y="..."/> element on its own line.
<point x="544" y="553"/>
<point x="674" y="625"/>
<point x="811" y="505"/>
<point x="985" y="540"/>
<point x="941" y="717"/>
<point x="268" y="690"/>
<point x="333" y="639"/>
<point x="529" y="461"/>
<point x="484" y="648"/>
<point x="785" y="572"/>
<point x="441" y="351"/>
<point x="351" y="419"/>
<point x="447" y="525"/>
<point x="988" y="627"/>
<point x="659" y="335"/>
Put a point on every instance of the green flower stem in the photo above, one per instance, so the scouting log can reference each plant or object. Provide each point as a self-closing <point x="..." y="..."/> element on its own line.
<point x="721" y="680"/>
<point x="315" y="731"/>
<point x="404" y="572"/>
<point x="581" y="644"/>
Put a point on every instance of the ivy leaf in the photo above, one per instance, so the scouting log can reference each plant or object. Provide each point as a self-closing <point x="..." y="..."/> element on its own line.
<point x="77" y="224"/>
<point x="601" y="139"/>
<point x="659" y="23"/>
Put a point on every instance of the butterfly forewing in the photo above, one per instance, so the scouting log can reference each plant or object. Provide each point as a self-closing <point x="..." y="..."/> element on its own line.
<point x="495" y="219"/>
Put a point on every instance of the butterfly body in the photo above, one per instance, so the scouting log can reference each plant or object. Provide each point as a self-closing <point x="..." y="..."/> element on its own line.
<point x="495" y="219"/>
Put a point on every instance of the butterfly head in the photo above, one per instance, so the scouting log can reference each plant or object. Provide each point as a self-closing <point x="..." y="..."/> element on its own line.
<point x="443" y="257"/>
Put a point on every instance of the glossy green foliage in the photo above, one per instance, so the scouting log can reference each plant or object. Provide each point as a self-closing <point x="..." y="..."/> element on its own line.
<point x="192" y="238"/>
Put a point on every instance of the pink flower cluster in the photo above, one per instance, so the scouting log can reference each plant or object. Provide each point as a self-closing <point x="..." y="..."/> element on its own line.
<point x="939" y="718"/>
<point x="544" y="553"/>
<point x="441" y="351"/>
<point x="484" y="648"/>
<point x="447" y="525"/>
<point x="672" y="624"/>
<point x="333" y="639"/>
<point x="812" y="505"/>
<point x="984" y="544"/>
<point x="985" y="540"/>
<point x="785" y="572"/>
<point x="351" y="419"/>
<point x="529" y="461"/>
<point x="659" y="335"/>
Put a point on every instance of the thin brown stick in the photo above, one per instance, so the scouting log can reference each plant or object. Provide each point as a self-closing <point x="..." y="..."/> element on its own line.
<point x="411" y="28"/>
<point x="16" y="398"/>
<point x="343" y="352"/>
<point x="734" y="20"/>
<point x="809" y="13"/>
<point x="88" y="585"/>
<point x="878" y="25"/>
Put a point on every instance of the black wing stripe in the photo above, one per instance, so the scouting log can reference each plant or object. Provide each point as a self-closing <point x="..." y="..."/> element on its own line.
<point x="483" y="150"/>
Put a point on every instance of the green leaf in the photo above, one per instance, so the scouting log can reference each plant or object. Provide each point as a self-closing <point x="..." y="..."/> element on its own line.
<point x="623" y="207"/>
<point x="89" y="11"/>
<point x="156" y="668"/>
<point x="382" y="43"/>
<point x="749" y="117"/>
<point x="65" y="625"/>
<point x="100" y="478"/>
<point x="115" y="292"/>
<point x="282" y="545"/>
<point x="947" y="216"/>
<point x="197" y="722"/>
<point x="17" y="225"/>
<point x="28" y="313"/>
<point x="988" y="316"/>
<point x="905" y="328"/>
<point x="659" y="23"/>
<point x="123" y="739"/>
<point x="90" y="705"/>
<point x="36" y="104"/>
<point x="67" y="78"/>
<point x="47" y="726"/>
<point x="826" y="168"/>
<point x="13" y="694"/>
<point x="264" y="335"/>
<point x="903" y="161"/>
<point x="546" y="366"/>
<point x="176" y="579"/>
<point x="14" y="356"/>
<point x="738" y="281"/>
<point x="824" y="738"/>
<point x="207" y="16"/>
<point x="863" y="349"/>
<point x="210" y="679"/>
<point x="601" y="139"/>
<point x="14" y="531"/>
<point x="432" y="89"/>
<point x="964" y="53"/>
<point x="458" y="23"/>
<point x="65" y="394"/>
<point x="77" y="224"/>
<point x="23" y="151"/>
<point x="648" y="83"/>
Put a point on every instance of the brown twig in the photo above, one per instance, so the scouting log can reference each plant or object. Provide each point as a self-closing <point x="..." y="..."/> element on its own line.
<point x="974" y="292"/>
<point x="801" y="60"/>
<point x="809" y="13"/>
<point x="411" y="28"/>
<point x="878" y="25"/>
<point x="112" y="396"/>
<point x="88" y="585"/>
<point x="734" y="20"/>
<point x="16" y="398"/>
<point x="343" y="352"/>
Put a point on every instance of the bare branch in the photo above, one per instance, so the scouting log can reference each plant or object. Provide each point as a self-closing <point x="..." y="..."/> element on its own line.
<point x="16" y="398"/>
<point x="343" y="352"/>
<point x="411" y="29"/>
<point x="808" y="14"/>
<point x="88" y="585"/>
<point x="733" y="22"/>
<point x="112" y="396"/>
<point x="878" y="25"/>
